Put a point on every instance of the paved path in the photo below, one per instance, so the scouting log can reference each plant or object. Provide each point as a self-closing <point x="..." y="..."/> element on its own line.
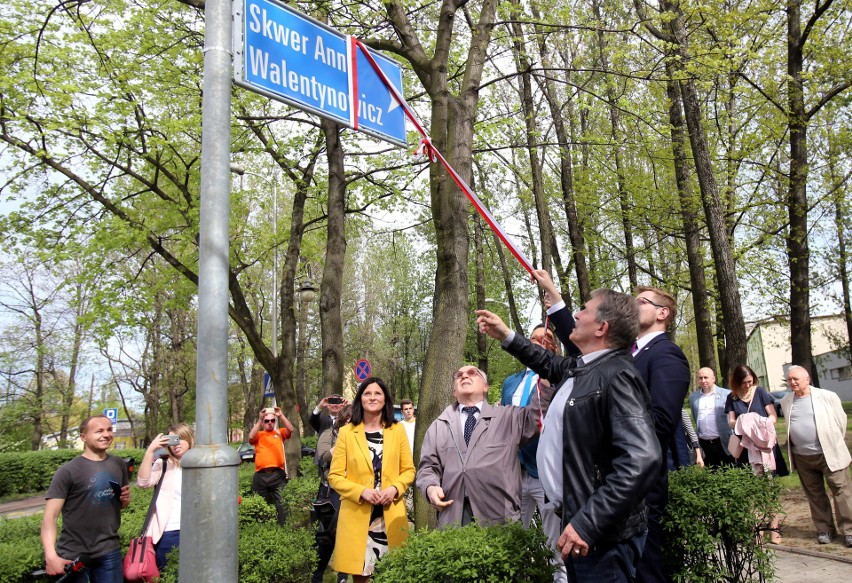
<point x="800" y="566"/>
<point x="22" y="507"/>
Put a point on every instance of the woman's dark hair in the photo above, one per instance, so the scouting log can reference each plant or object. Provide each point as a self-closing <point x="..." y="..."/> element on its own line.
<point x="738" y="375"/>
<point x="388" y="418"/>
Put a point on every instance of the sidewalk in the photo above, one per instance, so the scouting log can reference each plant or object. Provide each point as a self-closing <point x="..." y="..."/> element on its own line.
<point x="23" y="507"/>
<point x="800" y="566"/>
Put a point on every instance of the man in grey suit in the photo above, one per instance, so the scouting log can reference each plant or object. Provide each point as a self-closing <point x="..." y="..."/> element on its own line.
<point x="707" y="403"/>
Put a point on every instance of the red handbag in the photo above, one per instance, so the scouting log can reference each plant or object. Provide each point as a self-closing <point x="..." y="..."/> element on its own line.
<point x="140" y="562"/>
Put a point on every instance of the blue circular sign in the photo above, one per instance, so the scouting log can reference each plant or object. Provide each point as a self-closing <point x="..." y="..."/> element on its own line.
<point x="363" y="370"/>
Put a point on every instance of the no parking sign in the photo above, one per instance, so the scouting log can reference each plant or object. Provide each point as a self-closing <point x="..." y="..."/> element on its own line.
<point x="363" y="370"/>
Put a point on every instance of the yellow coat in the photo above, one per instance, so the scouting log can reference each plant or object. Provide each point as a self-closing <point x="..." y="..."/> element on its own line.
<point x="351" y="473"/>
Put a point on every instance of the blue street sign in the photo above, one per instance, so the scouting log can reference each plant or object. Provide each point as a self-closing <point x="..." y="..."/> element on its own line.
<point x="268" y="389"/>
<point x="111" y="414"/>
<point x="287" y="56"/>
<point x="363" y="370"/>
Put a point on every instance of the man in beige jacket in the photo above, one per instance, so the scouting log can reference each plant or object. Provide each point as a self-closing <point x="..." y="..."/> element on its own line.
<point x="816" y="426"/>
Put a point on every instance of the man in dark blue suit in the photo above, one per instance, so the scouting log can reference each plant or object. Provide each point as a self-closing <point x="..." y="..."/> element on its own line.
<point x="665" y="370"/>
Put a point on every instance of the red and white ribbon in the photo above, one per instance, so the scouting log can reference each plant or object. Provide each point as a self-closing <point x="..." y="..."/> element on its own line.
<point x="433" y="154"/>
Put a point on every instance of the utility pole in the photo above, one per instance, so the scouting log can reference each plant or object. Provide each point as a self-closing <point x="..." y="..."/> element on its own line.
<point x="209" y="508"/>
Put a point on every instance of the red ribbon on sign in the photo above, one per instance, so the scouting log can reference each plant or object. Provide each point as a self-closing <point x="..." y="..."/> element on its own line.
<point x="432" y="152"/>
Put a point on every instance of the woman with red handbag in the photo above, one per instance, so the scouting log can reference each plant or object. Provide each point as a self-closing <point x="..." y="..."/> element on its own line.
<point x="164" y="528"/>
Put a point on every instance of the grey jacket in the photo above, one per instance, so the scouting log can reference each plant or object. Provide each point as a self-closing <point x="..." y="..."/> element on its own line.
<point x="487" y="470"/>
<point x="722" y="426"/>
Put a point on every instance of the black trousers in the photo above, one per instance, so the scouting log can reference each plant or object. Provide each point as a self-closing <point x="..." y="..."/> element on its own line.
<point x="268" y="483"/>
<point x="714" y="454"/>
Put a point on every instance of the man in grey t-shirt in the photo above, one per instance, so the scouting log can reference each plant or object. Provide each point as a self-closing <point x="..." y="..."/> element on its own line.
<point x="89" y="492"/>
<point x="816" y="426"/>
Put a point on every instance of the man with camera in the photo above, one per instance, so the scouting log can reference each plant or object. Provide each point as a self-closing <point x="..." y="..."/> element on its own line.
<point x="270" y="467"/>
<point x="321" y="421"/>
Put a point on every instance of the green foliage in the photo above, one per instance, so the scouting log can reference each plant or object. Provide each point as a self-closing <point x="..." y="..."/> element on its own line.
<point x="20" y="548"/>
<point x="254" y="509"/>
<point x="471" y="553"/>
<point x="268" y="554"/>
<point x="299" y="497"/>
<point x="713" y="519"/>
<point x="31" y="471"/>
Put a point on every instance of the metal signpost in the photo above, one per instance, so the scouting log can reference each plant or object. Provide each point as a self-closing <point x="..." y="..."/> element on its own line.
<point x="290" y="57"/>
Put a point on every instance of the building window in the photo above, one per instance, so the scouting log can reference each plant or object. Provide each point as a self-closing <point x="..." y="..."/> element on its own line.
<point x="844" y="373"/>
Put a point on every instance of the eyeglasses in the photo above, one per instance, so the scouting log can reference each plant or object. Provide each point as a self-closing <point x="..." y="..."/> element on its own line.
<point x="467" y="372"/>
<point x="644" y="300"/>
<point x="269" y="420"/>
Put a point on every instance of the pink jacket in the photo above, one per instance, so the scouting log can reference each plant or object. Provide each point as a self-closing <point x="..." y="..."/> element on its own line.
<point x="171" y="484"/>
<point x="758" y="437"/>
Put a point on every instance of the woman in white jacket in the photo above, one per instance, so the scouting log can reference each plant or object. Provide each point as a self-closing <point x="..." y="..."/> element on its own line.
<point x="164" y="528"/>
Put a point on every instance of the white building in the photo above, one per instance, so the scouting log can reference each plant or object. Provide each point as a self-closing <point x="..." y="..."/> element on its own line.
<point x="770" y="354"/>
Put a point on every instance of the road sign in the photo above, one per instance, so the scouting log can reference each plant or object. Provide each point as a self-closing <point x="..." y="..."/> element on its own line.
<point x="268" y="389"/>
<point x="111" y="414"/>
<point x="363" y="370"/>
<point x="290" y="57"/>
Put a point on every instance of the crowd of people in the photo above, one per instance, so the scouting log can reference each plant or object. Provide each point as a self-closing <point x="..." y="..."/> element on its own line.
<point x="585" y="434"/>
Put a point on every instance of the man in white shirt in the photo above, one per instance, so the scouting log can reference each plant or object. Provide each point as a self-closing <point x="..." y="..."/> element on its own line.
<point x="707" y="403"/>
<point x="816" y="429"/>
<point x="409" y="421"/>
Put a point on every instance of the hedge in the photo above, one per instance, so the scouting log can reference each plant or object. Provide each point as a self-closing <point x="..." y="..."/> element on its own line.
<point x="32" y="471"/>
<point x="266" y="552"/>
<point x="714" y="521"/>
<point x="470" y="554"/>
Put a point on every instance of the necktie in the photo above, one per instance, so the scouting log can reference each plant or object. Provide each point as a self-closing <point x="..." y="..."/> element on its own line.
<point x="635" y="348"/>
<point x="525" y="395"/>
<point x="469" y="422"/>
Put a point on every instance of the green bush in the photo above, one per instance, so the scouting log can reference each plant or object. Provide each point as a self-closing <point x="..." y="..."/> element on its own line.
<point x="20" y="548"/>
<point x="268" y="554"/>
<point x="255" y="510"/>
<point x="509" y="553"/>
<point x="713" y="520"/>
<point x="32" y="471"/>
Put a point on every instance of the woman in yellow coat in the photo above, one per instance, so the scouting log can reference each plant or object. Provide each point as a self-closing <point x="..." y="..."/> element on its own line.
<point x="371" y="469"/>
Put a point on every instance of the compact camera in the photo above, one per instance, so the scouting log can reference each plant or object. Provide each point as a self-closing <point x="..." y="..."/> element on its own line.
<point x="173" y="440"/>
<point x="334" y="401"/>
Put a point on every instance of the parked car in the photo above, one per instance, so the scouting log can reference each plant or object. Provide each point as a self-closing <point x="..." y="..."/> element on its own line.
<point x="776" y="400"/>
<point x="246" y="452"/>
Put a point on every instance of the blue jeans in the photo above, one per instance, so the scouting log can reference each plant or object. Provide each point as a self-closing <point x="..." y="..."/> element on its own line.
<point x="170" y="540"/>
<point x="105" y="569"/>
<point x="608" y="564"/>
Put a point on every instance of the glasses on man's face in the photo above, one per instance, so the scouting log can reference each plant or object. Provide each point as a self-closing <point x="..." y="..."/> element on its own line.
<point x="644" y="300"/>
<point x="466" y="372"/>
<point x="269" y="420"/>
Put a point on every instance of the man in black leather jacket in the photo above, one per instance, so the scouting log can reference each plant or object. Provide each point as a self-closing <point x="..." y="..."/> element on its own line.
<point x="598" y="455"/>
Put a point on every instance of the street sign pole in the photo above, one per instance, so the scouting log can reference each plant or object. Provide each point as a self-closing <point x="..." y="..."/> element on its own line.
<point x="208" y="546"/>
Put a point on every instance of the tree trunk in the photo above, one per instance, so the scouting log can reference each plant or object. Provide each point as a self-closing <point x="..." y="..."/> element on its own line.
<point x="335" y="254"/>
<point x="452" y="120"/>
<point x="566" y="172"/>
<point x="798" y="251"/>
<point x="522" y="63"/>
<point x="723" y="259"/>
<point x="689" y="216"/>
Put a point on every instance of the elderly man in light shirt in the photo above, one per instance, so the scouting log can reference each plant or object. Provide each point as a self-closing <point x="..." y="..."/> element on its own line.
<point x="707" y="403"/>
<point x="816" y="428"/>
